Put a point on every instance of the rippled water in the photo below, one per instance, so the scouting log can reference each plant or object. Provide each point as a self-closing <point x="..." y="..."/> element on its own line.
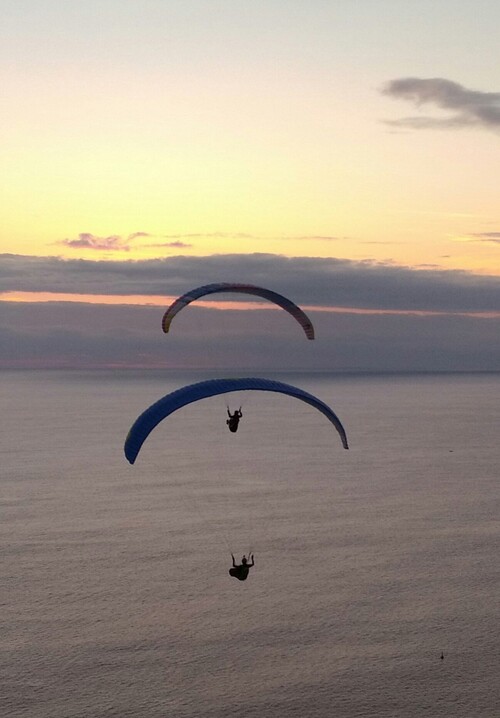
<point x="116" y="599"/>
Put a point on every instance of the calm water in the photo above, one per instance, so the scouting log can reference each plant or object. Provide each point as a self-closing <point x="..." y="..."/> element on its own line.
<point x="115" y="597"/>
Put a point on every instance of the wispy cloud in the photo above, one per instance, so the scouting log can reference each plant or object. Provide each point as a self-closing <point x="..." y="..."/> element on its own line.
<point x="177" y="244"/>
<point x="113" y="243"/>
<point x="316" y="237"/>
<point x="210" y="235"/>
<point x="136" y="235"/>
<point x="493" y="237"/>
<point x="469" y="108"/>
<point x="258" y="237"/>
<point x="307" y="280"/>
<point x="117" y="243"/>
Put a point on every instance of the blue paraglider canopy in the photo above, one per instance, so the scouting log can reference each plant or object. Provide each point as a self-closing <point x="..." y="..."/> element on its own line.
<point x="150" y="418"/>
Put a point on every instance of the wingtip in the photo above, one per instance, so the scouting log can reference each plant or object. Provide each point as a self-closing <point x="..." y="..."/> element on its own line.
<point x="131" y="459"/>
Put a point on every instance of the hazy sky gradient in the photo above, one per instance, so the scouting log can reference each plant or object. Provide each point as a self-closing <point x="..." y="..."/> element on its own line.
<point x="346" y="153"/>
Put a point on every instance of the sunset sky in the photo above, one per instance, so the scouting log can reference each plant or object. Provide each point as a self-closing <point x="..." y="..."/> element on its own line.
<point x="345" y="153"/>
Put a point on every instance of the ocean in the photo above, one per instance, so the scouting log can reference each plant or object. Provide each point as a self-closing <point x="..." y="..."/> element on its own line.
<point x="370" y="564"/>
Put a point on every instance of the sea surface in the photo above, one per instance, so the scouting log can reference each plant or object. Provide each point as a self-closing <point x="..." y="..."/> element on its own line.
<point x="371" y="563"/>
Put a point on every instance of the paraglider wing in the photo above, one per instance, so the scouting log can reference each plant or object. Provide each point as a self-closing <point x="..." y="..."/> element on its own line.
<point x="274" y="297"/>
<point x="147" y="421"/>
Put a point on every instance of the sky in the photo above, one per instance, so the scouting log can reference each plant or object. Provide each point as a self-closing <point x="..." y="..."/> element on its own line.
<point x="345" y="154"/>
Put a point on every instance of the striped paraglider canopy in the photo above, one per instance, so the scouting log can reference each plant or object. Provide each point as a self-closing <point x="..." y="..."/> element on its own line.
<point x="274" y="297"/>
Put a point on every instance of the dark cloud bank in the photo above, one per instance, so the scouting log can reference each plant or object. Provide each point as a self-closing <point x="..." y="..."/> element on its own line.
<point x="74" y="334"/>
<point x="83" y="335"/>
<point x="306" y="280"/>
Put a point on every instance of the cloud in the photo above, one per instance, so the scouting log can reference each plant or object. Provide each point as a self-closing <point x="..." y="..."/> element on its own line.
<point x="316" y="237"/>
<point x="118" y="243"/>
<point x="493" y="237"/>
<point x="210" y="235"/>
<point x="83" y="335"/>
<point x="85" y="240"/>
<point x="307" y="280"/>
<point x="115" y="242"/>
<point x="245" y="235"/>
<point x="469" y="108"/>
<point x="135" y="235"/>
<point x="177" y="245"/>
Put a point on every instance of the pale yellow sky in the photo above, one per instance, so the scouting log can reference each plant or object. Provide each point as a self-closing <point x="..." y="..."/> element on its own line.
<point x="241" y="138"/>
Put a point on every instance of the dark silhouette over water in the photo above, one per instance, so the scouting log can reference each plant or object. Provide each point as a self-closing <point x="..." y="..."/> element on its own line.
<point x="234" y="419"/>
<point x="240" y="571"/>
